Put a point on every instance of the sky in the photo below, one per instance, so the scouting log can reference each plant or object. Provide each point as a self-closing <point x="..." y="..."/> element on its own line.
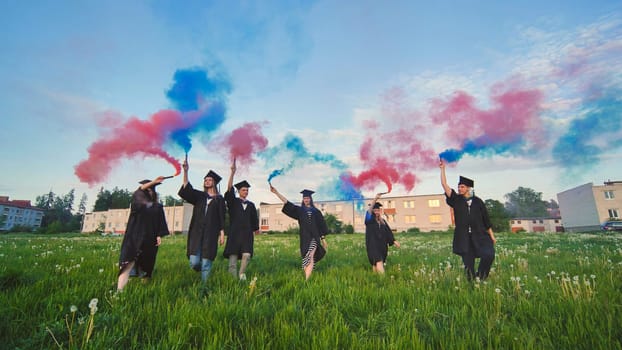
<point x="347" y="98"/>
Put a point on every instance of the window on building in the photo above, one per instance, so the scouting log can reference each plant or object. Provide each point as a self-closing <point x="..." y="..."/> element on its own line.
<point x="557" y="221"/>
<point x="338" y="208"/>
<point x="435" y="219"/>
<point x="434" y="203"/>
<point x="609" y="195"/>
<point x="541" y="221"/>
<point x="613" y="213"/>
<point x="410" y="219"/>
<point x="391" y="218"/>
<point x="533" y="221"/>
<point x="264" y="221"/>
<point x="512" y="222"/>
<point x="409" y="204"/>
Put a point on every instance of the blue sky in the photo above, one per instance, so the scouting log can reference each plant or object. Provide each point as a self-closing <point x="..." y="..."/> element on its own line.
<point x="315" y="69"/>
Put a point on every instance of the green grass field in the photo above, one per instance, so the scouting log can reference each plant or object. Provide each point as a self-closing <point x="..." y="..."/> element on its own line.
<point x="546" y="291"/>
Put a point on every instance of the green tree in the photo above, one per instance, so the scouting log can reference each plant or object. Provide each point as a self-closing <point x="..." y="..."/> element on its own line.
<point x="58" y="212"/>
<point x="115" y="199"/>
<point x="334" y="225"/>
<point x="172" y="201"/>
<point x="525" y="202"/>
<point x="499" y="217"/>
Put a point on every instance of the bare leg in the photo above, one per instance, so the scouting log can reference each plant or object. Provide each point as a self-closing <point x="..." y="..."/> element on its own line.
<point x="124" y="276"/>
<point x="309" y="267"/>
<point x="379" y="267"/>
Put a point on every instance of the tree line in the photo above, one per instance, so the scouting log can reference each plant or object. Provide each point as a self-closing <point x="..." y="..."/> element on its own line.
<point x="60" y="214"/>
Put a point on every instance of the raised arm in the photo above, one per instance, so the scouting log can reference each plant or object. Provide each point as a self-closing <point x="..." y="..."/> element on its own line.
<point x="157" y="180"/>
<point x="281" y="197"/>
<point x="446" y="187"/>
<point x="371" y="206"/>
<point x="185" y="167"/>
<point x="233" y="168"/>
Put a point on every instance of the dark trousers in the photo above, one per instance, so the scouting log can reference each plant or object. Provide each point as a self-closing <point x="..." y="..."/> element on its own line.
<point x="487" y="256"/>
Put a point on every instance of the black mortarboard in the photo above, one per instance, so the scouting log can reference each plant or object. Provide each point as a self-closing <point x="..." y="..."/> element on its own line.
<point x="377" y="205"/>
<point x="214" y="176"/>
<point x="307" y="193"/>
<point x="242" y="184"/>
<point x="465" y="181"/>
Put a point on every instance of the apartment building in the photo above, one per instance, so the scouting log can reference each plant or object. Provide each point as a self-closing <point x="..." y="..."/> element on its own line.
<point x="19" y="213"/>
<point x="115" y="220"/>
<point x="538" y="224"/>
<point x="585" y="207"/>
<point x="425" y="212"/>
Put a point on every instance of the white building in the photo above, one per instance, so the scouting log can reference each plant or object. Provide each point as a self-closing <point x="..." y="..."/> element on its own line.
<point x="585" y="207"/>
<point x="425" y="212"/>
<point x="115" y="220"/>
<point x="536" y="225"/>
<point x="19" y="213"/>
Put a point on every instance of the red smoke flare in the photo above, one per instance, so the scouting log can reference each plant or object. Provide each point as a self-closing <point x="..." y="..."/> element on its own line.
<point x="135" y="137"/>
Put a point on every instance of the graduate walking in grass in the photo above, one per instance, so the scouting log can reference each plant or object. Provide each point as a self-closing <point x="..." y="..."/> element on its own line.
<point x="243" y="225"/>
<point x="206" y="229"/>
<point x="473" y="236"/>
<point x="146" y="226"/>
<point x="378" y="236"/>
<point x="313" y="229"/>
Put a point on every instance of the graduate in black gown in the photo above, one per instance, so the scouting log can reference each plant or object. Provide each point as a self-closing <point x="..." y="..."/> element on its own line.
<point x="313" y="229"/>
<point x="206" y="229"/>
<point x="243" y="225"/>
<point x="378" y="236"/>
<point x="473" y="235"/>
<point x="146" y="226"/>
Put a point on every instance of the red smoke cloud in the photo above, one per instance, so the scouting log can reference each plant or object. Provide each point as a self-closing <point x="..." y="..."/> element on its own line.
<point x="513" y="116"/>
<point x="243" y="142"/>
<point x="393" y="150"/>
<point x="135" y="137"/>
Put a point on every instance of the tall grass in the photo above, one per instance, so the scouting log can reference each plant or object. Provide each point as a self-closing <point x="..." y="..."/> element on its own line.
<point x="546" y="291"/>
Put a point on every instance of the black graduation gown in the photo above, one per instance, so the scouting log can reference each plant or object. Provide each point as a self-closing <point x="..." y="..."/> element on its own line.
<point x="313" y="228"/>
<point x="205" y="225"/>
<point x="146" y="222"/>
<point x="476" y="217"/>
<point x="243" y="224"/>
<point x="378" y="238"/>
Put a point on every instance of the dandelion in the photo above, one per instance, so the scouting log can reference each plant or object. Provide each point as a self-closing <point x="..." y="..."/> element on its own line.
<point x="497" y="290"/>
<point x="73" y="309"/>
<point x="101" y="270"/>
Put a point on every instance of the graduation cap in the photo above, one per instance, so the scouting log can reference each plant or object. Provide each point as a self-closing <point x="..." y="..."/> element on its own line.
<point x="242" y="184"/>
<point x="466" y="181"/>
<point x="307" y="193"/>
<point x="214" y="176"/>
<point x="377" y="205"/>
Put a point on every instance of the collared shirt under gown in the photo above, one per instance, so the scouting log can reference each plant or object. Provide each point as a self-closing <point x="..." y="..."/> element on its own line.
<point x="472" y="224"/>
<point x="243" y="224"/>
<point x="206" y="223"/>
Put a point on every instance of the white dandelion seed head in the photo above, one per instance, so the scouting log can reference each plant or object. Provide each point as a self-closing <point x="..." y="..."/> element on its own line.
<point x="497" y="290"/>
<point x="73" y="308"/>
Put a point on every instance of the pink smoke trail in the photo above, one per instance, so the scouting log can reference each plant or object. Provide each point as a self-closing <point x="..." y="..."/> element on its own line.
<point x="133" y="138"/>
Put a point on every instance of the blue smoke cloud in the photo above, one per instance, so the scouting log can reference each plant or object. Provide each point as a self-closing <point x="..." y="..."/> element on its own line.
<point x="201" y="99"/>
<point x="294" y="146"/>
<point x="577" y="148"/>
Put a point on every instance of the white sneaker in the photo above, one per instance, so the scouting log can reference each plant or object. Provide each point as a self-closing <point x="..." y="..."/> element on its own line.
<point x="242" y="277"/>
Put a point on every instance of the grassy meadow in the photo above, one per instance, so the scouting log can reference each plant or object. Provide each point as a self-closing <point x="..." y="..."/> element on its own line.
<point x="546" y="291"/>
